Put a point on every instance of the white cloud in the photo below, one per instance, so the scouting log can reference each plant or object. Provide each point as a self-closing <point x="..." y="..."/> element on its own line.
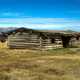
<point x="7" y="14"/>
<point x="13" y="14"/>
<point x="41" y="23"/>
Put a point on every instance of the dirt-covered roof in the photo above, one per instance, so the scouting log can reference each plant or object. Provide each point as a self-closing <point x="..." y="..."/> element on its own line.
<point x="45" y="33"/>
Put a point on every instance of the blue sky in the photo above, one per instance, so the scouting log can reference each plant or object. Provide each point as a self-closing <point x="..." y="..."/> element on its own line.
<point x="41" y="14"/>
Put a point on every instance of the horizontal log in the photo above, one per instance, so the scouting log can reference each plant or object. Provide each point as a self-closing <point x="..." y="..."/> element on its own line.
<point x="24" y="35"/>
<point x="11" y="47"/>
<point x="23" y="46"/>
<point x="24" y="43"/>
<point x="21" y="40"/>
<point x="45" y="42"/>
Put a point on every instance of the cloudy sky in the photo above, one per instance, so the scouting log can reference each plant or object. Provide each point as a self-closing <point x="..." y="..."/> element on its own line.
<point x="41" y="14"/>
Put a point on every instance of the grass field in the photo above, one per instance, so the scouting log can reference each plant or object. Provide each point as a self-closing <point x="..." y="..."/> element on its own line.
<point x="58" y="64"/>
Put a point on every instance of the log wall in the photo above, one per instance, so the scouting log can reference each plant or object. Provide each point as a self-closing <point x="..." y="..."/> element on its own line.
<point x="27" y="40"/>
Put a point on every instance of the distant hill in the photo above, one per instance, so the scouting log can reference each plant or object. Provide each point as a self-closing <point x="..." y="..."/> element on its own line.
<point x="2" y="29"/>
<point x="58" y="31"/>
<point x="7" y="29"/>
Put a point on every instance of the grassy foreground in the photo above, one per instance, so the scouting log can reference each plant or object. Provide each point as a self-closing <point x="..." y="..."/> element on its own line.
<point x="58" y="64"/>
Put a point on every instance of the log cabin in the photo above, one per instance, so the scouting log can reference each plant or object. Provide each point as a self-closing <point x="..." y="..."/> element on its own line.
<point x="28" y="38"/>
<point x="23" y="38"/>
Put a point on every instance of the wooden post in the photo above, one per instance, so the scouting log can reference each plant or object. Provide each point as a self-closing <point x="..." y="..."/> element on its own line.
<point x="40" y="43"/>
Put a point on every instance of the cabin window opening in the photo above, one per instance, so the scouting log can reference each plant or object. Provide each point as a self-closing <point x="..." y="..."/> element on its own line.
<point x="52" y="40"/>
<point x="77" y="38"/>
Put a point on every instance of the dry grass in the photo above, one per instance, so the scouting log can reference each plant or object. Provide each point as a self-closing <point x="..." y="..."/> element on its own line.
<point x="58" y="64"/>
<point x="3" y="45"/>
